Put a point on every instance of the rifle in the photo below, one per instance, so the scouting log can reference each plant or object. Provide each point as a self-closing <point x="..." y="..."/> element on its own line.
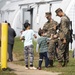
<point x="70" y="33"/>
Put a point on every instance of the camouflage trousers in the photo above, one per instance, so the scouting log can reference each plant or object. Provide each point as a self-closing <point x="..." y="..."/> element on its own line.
<point x="67" y="52"/>
<point x="29" y="55"/>
<point x="63" y="52"/>
<point x="51" y="50"/>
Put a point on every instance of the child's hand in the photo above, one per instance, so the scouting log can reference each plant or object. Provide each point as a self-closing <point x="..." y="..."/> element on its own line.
<point x="21" y="31"/>
<point x="22" y="38"/>
<point x="51" y="36"/>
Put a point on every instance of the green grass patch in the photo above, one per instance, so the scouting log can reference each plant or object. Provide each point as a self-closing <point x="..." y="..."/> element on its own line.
<point x="7" y="72"/>
<point x="18" y="48"/>
<point x="19" y="53"/>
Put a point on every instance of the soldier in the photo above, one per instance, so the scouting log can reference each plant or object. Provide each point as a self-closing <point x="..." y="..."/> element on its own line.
<point x="63" y="49"/>
<point x="50" y="29"/>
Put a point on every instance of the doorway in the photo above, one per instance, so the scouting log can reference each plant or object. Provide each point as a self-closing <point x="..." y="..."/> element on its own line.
<point x="28" y="16"/>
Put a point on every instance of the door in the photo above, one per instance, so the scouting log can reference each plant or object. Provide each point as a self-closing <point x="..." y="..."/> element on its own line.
<point x="28" y="15"/>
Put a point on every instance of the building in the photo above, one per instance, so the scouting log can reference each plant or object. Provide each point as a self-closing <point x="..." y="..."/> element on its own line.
<point x="18" y="11"/>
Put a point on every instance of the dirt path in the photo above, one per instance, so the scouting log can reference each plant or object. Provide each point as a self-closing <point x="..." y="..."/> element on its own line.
<point x="20" y="70"/>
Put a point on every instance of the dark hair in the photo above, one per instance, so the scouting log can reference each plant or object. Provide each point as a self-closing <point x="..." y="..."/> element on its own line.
<point x="48" y="13"/>
<point x="9" y="25"/>
<point x="6" y="21"/>
<point x="40" y="32"/>
<point x="26" y="25"/>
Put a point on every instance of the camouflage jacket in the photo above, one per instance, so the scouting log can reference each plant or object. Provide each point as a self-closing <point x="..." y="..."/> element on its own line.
<point x="48" y="27"/>
<point x="64" y="26"/>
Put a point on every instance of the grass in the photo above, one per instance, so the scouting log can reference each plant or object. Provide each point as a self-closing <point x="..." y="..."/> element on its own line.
<point x="7" y="71"/>
<point x="18" y="50"/>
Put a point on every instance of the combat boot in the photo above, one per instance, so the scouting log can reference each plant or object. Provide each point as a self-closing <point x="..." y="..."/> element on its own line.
<point x="60" y="64"/>
<point x="51" y="63"/>
<point x="65" y="64"/>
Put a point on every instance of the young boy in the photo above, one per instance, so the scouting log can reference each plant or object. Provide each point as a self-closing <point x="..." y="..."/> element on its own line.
<point x="27" y="36"/>
<point x="43" y="48"/>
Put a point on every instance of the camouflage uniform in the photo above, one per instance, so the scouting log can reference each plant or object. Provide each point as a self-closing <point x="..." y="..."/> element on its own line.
<point x="49" y="28"/>
<point x="63" y="49"/>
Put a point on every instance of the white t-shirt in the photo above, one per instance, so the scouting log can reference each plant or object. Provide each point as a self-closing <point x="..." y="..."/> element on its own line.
<point x="28" y="35"/>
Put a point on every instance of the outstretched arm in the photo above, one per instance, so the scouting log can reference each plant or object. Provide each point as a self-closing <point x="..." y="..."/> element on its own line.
<point x="35" y="36"/>
<point x="22" y="38"/>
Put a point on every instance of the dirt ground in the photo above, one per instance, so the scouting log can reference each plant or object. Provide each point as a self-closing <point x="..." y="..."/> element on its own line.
<point x="20" y="70"/>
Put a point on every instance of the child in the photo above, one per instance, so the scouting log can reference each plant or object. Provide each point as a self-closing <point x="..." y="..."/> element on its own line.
<point x="43" y="48"/>
<point x="27" y="36"/>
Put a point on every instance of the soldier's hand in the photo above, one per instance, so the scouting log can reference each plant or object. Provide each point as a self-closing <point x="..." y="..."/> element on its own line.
<point x="54" y="27"/>
<point x="64" y="40"/>
<point x="55" y="36"/>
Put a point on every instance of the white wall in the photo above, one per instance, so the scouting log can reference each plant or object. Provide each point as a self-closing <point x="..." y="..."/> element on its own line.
<point x="41" y="16"/>
<point x="17" y="25"/>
